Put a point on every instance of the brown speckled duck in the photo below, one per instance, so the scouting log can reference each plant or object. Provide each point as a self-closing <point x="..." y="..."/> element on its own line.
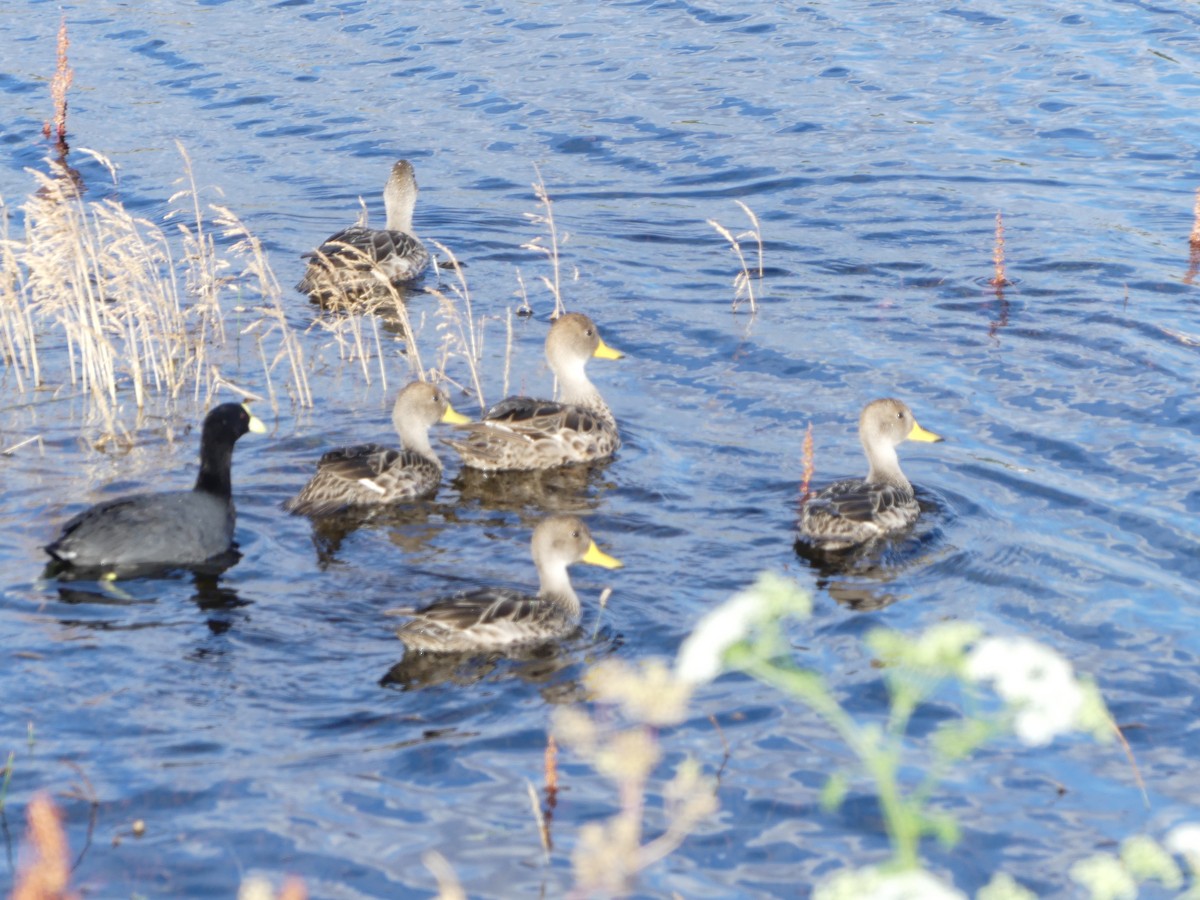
<point x="523" y="433"/>
<point x="852" y="512"/>
<point x="369" y="475"/>
<point x="490" y="619"/>
<point x="349" y="265"/>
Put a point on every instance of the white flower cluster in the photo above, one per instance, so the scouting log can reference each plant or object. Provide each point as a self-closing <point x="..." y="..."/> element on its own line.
<point x="872" y="884"/>
<point x="702" y="655"/>
<point x="1035" y="681"/>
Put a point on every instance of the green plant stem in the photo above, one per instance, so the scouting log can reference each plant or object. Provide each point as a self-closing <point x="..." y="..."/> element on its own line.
<point x="8" y="771"/>
<point x="902" y="819"/>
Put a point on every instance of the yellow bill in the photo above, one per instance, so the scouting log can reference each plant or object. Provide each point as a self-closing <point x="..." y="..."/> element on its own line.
<point x="452" y="417"/>
<point x="597" y="557"/>
<point x="606" y="352"/>
<point x="920" y="434"/>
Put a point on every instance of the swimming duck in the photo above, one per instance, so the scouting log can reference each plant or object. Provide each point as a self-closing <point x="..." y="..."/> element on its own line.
<point x="490" y="618"/>
<point x="371" y="475"/>
<point x="175" y="528"/>
<point x="852" y="512"/>
<point x="522" y="433"/>
<point x="349" y="265"/>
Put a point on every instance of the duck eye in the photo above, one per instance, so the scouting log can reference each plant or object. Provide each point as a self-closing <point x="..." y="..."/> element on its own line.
<point x="575" y="533"/>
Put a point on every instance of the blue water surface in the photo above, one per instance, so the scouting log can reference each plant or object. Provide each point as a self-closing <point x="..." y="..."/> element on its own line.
<point x="250" y="720"/>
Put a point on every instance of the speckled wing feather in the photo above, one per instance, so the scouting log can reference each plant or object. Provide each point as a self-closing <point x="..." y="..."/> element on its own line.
<point x="482" y="618"/>
<point x="526" y="433"/>
<point x="366" y="475"/>
<point x="850" y="512"/>
<point x="346" y="260"/>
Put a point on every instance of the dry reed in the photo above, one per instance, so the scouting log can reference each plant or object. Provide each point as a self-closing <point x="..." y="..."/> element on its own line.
<point x="546" y="218"/>
<point x="59" y="85"/>
<point x="448" y="885"/>
<point x="743" y="281"/>
<point x="999" y="278"/>
<point x="100" y="288"/>
<point x="807" y="460"/>
<point x="1194" y="244"/>
<point x="1195" y="236"/>
<point x="461" y="334"/>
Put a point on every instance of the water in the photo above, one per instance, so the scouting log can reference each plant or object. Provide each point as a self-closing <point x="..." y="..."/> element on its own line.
<point x="249" y="721"/>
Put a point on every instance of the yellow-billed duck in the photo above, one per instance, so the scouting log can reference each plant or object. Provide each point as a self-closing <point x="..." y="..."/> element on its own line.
<point x="369" y="475"/>
<point x="349" y="265"/>
<point x="524" y="433"/>
<point x="851" y="512"/>
<point x="490" y="619"/>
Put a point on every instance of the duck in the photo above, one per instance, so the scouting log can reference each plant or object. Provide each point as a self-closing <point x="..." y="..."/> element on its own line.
<point x="527" y="434"/>
<point x="498" y="619"/>
<point x="167" y="529"/>
<point x="852" y="512"/>
<point x="361" y="262"/>
<point x="369" y="475"/>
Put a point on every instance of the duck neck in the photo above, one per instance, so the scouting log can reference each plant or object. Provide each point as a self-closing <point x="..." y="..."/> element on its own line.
<point x="575" y="389"/>
<point x="399" y="212"/>
<point x="556" y="586"/>
<point x="215" y="465"/>
<point x="415" y="437"/>
<point x="884" y="466"/>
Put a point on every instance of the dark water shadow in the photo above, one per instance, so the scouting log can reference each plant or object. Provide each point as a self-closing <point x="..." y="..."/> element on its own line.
<point x="56" y="570"/>
<point x="413" y="527"/>
<point x="858" y="577"/>
<point x="536" y="664"/>
<point x="567" y="489"/>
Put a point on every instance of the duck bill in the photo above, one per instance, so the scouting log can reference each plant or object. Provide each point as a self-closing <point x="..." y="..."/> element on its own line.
<point x="920" y="434"/>
<point x="453" y="417"/>
<point x="597" y="557"/>
<point x="606" y="352"/>
<point x="255" y="424"/>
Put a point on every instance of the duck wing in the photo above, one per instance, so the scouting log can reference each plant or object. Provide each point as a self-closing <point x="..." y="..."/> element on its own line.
<point x="481" y="619"/>
<point x="366" y="475"/>
<point x="527" y="433"/>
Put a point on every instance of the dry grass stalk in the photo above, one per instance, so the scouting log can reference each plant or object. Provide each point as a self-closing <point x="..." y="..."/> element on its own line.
<point x="1193" y="269"/>
<point x="551" y="766"/>
<point x="101" y="284"/>
<point x="524" y="310"/>
<point x="204" y="278"/>
<point x="546" y="218"/>
<point x="1194" y="242"/>
<point x="1195" y="236"/>
<point x="462" y="335"/>
<point x="448" y="886"/>
<point x="999" y="279"/>
<point x="258" y="275"/>
<point x="17" y="331"/>
<point x="508" y="346"/>
<point x="539" y="818"/>
<point x="106" y="280"/>
<point x="807" y="458"/>
<point x="743" y="281"/>
<point x="46" y="874"/>
<point x="59" y="85"/>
